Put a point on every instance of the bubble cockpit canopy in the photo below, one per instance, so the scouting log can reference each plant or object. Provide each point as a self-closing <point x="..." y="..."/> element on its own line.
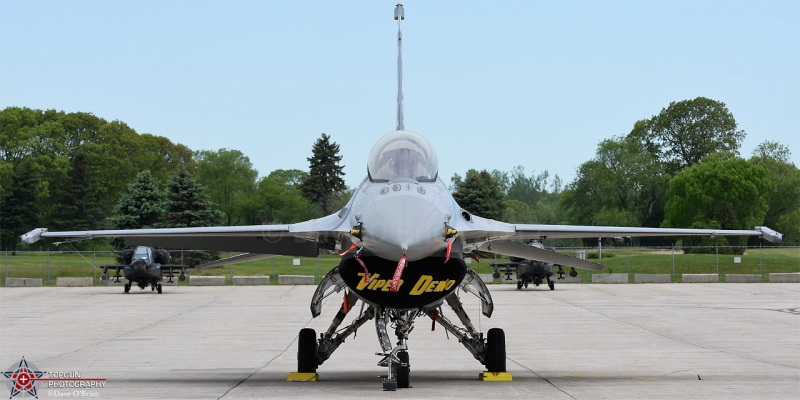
<point x="402" y="154"/>
<point x="142" y="253"/>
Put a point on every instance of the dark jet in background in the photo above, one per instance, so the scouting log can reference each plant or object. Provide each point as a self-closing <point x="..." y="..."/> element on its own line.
<point x="145" y="266"/>
<point x="528" y="271"/>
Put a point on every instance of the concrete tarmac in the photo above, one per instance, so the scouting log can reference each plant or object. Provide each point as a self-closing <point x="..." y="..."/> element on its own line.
<point x="629" y="341"/>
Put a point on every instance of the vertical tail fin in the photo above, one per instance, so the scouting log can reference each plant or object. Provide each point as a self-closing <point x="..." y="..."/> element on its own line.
<point x="399" y="15"/>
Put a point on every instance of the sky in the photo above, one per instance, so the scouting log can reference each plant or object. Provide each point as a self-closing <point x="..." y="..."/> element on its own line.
<point x="491" y="84"/>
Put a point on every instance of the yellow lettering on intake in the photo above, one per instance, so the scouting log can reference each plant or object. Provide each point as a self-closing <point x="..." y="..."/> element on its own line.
<point x="421" y="284"/>
<point x="362" y="284"/>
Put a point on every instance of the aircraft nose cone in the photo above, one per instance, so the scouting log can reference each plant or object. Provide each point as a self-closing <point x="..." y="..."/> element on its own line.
<point x="403" y="220"/>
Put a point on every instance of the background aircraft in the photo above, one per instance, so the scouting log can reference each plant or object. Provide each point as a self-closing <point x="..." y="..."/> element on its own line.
<point x="144" y="266"/>
<point x="403" y="239"/>
<point x="527" y="271"/>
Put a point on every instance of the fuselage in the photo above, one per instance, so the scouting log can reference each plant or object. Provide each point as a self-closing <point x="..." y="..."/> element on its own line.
<point x="142" y="266"/>
<point x="403" y="217"/>
<point x="402" y="209"/>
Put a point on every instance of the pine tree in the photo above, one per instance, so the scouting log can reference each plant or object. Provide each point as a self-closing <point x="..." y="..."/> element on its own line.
<point x="19" y="206"/>
<point x="325" y="178"/>
<point x="480" y="194"/>
<point x="187" y="204"/>
<point x="143" y="205"/>
<point x="78" y="206"/>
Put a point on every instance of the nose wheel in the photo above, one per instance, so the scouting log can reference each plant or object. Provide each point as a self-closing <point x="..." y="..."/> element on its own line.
<point x="307" y="351"/>
<point x="496" y="350"/>
<point x="403" y="371"/>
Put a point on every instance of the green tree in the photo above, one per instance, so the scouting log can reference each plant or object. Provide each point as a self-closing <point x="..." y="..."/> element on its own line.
<point x="789" y="225"/>
<point x="187" y="204"/>
<point x="162" y="157"/>
<point x="292" y="177"/>
<point x="769" y="149"/>
<point x="480" y="194"/>
<point x="20" y="211"/>
<point x="718" y="194"/>
<point x="229" y="179"/>
<point x="326" y="177"/>
<point x="537" y="192"/>
<point x="784" y="201"/>
<point x="278" y="199"/>
<point x="143" y="204"/>
<point x="687" y="131"/>
<point x="622" y="185"/>
<point x="527" y="189"/>
<point x="26" y="170"/>
<point x="78" y="205"/>
<point x="84" y="163"/>
<point x="517" y="212"/>
<point x="80" y="128"/>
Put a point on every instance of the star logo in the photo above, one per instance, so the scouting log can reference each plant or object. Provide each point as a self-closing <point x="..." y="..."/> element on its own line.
<point x="23" y="378"/>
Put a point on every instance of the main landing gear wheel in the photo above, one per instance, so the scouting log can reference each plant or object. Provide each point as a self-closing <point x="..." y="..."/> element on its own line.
<point x="127" y="287"/>
<point x="158" y="287"/>
<point x="307" y="351"/>
<point x="552" y="285"/>
<point x="403" y="373"/>
<point x="519" y="285"/>
<point x="496" y="350"/>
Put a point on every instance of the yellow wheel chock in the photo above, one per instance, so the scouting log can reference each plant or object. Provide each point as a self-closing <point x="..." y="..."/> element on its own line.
<point x="302" y="377"/>
<point x="495" y="376"/>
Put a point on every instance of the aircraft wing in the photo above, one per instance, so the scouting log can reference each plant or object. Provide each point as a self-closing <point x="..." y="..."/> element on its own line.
<point x="517" y="249"/>
<point x="233" y="260"/>
<point x="301" y="239"/>
<point x="498" y="237"/>
<point x="174" y="267"/>
<point x="534" y="231"/>
<point x="110" y="266"/>
<point x="506" y="264"/>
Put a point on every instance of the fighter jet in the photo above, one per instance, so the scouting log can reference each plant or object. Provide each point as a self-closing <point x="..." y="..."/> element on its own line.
<point x="402" y="240"/>
<point x="144" y="266"/>
<point x="527" y="271"/>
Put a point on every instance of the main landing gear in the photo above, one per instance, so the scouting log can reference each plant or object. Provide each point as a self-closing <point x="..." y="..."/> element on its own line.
<point x="536" y="282"/>
<point x="312" y="351"/>
<point x="155" y="286"/>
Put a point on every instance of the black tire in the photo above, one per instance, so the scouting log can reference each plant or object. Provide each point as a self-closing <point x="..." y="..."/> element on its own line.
<point x="403" y="373"/>
<point x="307" y="351"/>
<point x="496" y="350"/>
<point x="552" y="285"/>
<point x="127" y="287"/>
<point x="519" y="285"/>
<point x="158" y="287"/>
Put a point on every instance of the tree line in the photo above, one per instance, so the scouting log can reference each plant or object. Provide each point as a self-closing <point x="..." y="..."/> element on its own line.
<point x="77" y="171"/>
<point x="680" y="168"/>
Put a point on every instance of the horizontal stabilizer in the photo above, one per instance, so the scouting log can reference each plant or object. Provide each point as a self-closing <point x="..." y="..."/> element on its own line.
<point x="521" y="250"/>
